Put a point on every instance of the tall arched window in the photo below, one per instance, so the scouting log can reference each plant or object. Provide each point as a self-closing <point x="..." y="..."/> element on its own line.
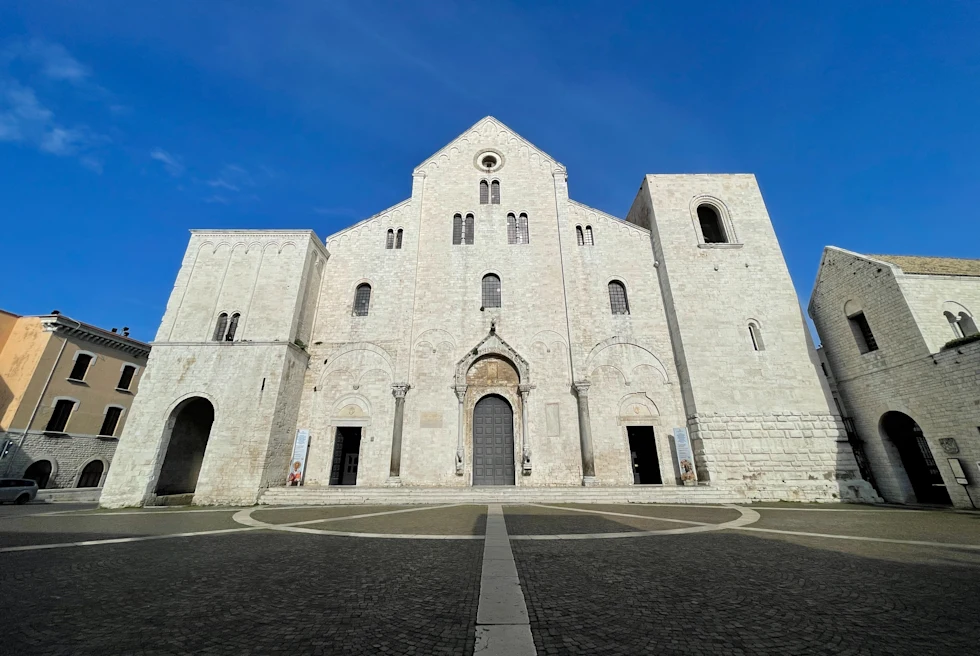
<point x="232" y="327"/>
<point x="579" y="236"/>
<point x="362" y="300"/>
<point x="491" y="291"/>
<point x="522" y="236"/>
<point x="756" y="334"/>
<point x="511" y="228"/>
<point x="589" y="240"/>
<point x="954" y="323"/>
<point x="220" y="328"/>
<point x="618" y="302"/>
<point x="712" y="229"/>
<point x="390" y="239"/>
<point x="398" y="238"/>
<point x="457" y="228"/>
<point x="484" y="192"/>
<point x="495" y="192"/>
<point x="469" y="229"/>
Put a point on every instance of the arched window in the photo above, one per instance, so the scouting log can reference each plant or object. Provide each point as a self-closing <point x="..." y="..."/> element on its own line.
<point x="398" y="238"/>
<point x="220" y="328"/>
<point x="390" y="239"/>
<point x="469" y="229"/>
<point x="618" y="302"/>
<point x="362" y="300"/>
<point x="491" y="291"/>
<point x="232" y="327"/>
<point x="91" y="474"/>
<point x="522" y="236"/>
<point x="962" y="324"/>
<point x="484" y="192"/>
<point x="495" y="192"/>
<point x="82" y="362"/>
<point x="511" y="228"/>
<point x="589" y="241"/>
<point x="756" y="334"/>
<point x="579" y="236"/>
<point x="712" y="229"/>
<point x="457" y="228"/>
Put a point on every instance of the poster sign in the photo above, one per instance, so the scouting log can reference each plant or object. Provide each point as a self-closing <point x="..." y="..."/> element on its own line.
<point x="297" y="464"/>
<point x="685" y="457"/>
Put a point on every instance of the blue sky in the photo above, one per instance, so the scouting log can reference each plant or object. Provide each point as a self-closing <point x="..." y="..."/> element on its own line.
<point x="124" y="124"/>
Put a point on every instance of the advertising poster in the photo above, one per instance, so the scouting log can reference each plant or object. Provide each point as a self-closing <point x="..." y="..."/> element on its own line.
<point x="297" y="464"/>
<point x="685" y="457"/>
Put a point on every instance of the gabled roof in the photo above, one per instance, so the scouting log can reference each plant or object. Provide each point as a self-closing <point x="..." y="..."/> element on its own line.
<point x="938" y="266"/>
<point x="492" y="132"/>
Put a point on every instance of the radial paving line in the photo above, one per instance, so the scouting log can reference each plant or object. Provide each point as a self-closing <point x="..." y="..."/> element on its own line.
<point x="834" y="536"/>
<point x="502" y="626"/>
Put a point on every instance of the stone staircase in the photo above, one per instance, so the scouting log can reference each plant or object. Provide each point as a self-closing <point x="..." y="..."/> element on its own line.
<point x="384" y="496"/>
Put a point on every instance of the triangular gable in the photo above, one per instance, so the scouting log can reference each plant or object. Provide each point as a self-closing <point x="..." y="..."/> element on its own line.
<point x="837" y="251"/>
<point x="492" y="344"/>
<point x="489" y="132"/>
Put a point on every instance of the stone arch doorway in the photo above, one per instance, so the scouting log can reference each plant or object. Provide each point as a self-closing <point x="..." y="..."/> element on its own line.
<point x="190" y="428"/>
<point x="493" y="441"/>
<point x="917" y="459"/>
<point x="39" y="472"/>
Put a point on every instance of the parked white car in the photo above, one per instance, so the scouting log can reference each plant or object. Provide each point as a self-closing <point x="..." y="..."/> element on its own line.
<point x="17" y="490"/>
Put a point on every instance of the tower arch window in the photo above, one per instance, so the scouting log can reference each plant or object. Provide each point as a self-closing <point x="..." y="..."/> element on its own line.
<point x="221" y="327"/>
<point x="468" y="229"/>
<point x="511" y="228"/>
<point x="457" y="229"/>
<point x="579" y="236"/>
<point x="712" y="227"/>
<point x="362" y="300"/>
<point x="960" y="322"/>
<point x="589" y="239"/>
<point x="491" y="291"/>
<point x="495" y="192"/>
<point x="484" y="192"/>
<point x="232" y="327"/>
<point x="522" y="233"/>
<point x="755" y="333"/>
<point x="618" y="303"/>
<point x="390" y="239"/>
<point x="398" y="239"/>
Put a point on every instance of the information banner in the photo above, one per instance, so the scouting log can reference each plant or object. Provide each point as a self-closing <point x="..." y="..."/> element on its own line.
<point x="685" y="457"/>
<point x="297" y="464"/>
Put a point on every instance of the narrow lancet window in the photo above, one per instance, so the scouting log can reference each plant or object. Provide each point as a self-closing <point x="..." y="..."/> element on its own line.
<point x="495" y="192"/>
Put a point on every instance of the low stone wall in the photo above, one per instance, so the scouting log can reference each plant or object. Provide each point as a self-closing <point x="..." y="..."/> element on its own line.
<point x="68" y="453"/>
<point x="71" y="495"/>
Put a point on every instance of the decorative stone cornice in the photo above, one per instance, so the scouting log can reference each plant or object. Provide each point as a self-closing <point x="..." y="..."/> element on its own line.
<point x="67" y="327"/>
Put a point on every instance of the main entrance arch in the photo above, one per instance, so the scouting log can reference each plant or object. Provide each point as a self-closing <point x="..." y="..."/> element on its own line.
<point x="493" y="441"/>
<point x="190" y="428"/>
<point x="920" y="466"/>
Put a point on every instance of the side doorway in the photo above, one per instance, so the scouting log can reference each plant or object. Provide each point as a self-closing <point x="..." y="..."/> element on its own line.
<point x="346" y="454"/>
<point x="917" y="459"/>
<point x="643" y="455"/>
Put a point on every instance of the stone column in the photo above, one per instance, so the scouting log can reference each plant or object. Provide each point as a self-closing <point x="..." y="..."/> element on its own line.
<point x="398" y="390"/>
<point x="525" y="390"/>
<point x="585" y="432"/>
<point x="460" y="449"/>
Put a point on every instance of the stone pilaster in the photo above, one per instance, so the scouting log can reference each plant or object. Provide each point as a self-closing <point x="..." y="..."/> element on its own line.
<point x="525" y="390"/>
<point x="461" y="395"/>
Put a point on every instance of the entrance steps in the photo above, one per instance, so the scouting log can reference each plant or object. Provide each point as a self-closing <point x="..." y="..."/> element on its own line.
<point x="383" y="496"/>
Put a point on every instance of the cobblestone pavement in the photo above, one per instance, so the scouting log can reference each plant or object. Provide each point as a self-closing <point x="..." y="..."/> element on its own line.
<point x="779" y="585"/>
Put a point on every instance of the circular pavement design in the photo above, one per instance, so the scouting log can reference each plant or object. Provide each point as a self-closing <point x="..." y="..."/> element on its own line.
<point x="746" y="517"/>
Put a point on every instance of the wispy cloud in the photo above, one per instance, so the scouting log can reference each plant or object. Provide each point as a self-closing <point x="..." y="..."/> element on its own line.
<point x="25" y="119"/>
<point x="171" y="163"/>
<point x="217" y="199"/>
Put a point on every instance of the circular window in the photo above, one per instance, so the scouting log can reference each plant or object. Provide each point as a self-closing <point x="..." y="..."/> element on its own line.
<point x="488" y="161"/>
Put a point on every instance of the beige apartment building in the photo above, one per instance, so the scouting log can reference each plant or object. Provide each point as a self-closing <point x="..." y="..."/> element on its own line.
<point x="65" y="391"/>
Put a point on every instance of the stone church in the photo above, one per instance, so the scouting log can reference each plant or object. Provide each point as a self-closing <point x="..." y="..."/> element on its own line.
<point x="491" y="331"/>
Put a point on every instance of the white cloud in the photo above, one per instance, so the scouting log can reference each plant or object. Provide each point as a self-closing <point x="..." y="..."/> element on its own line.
<point x="224" y="184"/>
<point x="170" y="162"/>
<point x="55" y="62"/>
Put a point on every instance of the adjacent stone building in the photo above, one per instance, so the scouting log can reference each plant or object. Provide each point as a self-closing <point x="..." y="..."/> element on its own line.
<point x="902" y="351"/>
<point x="489" y="330"/>
<point x="65" y="391"/>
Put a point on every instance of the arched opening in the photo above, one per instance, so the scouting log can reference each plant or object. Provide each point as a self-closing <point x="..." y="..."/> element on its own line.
<point x="484" y="192"/>
<point x="579" y="236"/>
<point x="39" y="472"/>
<point x="191" y="427"/>
<point x="390" y="239"/>
<point x="920" y="466"/>
<point x="221" y="327"/>
<point x="493" y="441"/>
<point x="91" y="474"/>
<point x="495" y="192"/>
<point x="362" y="300"/>
<point x="491" y="291"/>
<point x="232" y="327"/>
<point x="398" y="238"/>
<point x="711" y="227"/>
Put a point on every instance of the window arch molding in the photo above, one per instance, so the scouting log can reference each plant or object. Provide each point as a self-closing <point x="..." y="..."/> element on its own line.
<point x="479" y="287"/>
<point x="961" y="320"/>
<point x="724" y="217"/>
<point x="352" y="295"/>
<point x="78" y="474"/>
<point x="41" y="458"/>
<point x="627" y="292"/>
<point x="754" y="327"/>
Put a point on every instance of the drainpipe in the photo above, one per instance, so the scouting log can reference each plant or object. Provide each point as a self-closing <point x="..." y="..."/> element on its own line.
<point x="44" y="390"/>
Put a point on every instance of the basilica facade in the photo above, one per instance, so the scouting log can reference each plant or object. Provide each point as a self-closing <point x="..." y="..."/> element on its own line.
<point x="489" y="330"/>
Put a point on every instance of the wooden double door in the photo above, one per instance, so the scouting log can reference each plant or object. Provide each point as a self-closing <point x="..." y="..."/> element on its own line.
<point x="493" y="442"/>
